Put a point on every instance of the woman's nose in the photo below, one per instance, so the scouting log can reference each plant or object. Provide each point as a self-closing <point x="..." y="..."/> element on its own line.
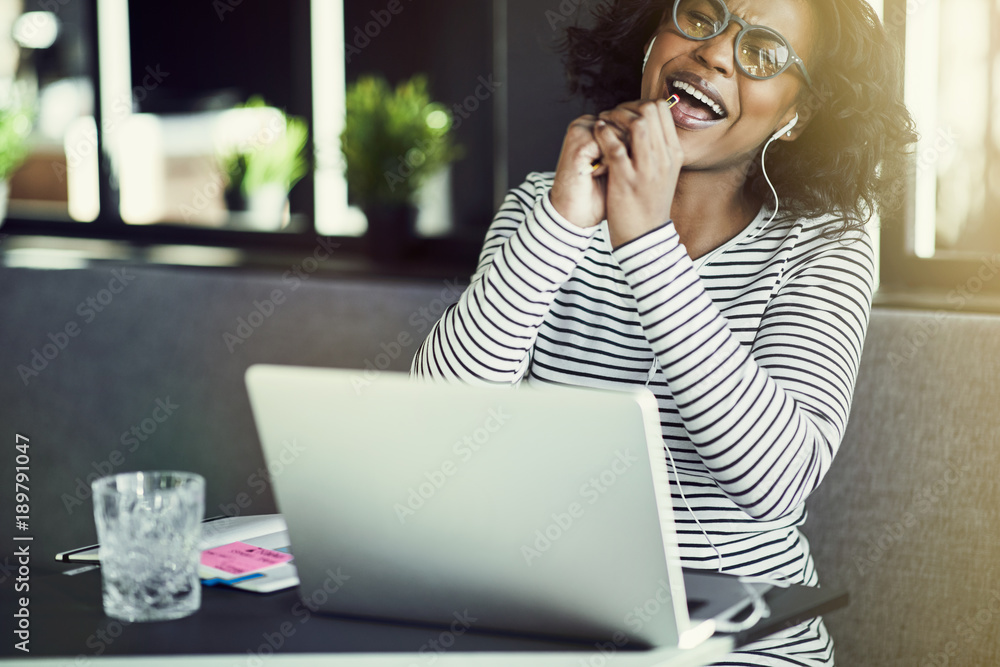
<point x="717" y="53"/>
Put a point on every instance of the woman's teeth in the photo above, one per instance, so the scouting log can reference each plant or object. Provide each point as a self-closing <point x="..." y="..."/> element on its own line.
<point x="700" y="96"/>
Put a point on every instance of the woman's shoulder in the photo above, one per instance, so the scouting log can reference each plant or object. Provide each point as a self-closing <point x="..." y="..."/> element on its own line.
<point x="828" y="232"/>
<point x="829" y="240"/>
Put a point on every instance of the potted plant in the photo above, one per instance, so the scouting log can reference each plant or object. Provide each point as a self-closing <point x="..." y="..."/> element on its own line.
<point x="265" y="163"/>
<point x="15" y="125"/>
<point x="393" y="141"/>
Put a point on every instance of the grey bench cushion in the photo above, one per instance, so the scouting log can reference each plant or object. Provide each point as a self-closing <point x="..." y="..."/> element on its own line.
<point x="909" y="516"/>
<point x="163" y="340"/>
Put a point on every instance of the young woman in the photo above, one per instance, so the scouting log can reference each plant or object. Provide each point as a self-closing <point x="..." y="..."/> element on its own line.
<point x="657" y="254"/>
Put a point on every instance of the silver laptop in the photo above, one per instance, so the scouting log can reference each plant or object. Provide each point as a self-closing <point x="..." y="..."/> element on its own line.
<point x="543" y="511"/>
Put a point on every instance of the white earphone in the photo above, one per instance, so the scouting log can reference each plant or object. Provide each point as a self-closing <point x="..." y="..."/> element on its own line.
<point x="787" y="128"/>
<point x="648" y="51"/>
<point x="774" y="137"/>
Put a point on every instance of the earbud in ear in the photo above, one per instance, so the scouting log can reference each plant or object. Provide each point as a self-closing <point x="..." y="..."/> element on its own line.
<point x="648" y="51"/>
<point x="787" y="128"/>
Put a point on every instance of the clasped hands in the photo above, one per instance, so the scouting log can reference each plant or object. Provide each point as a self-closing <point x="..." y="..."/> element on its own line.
<point x="640" y="161"/>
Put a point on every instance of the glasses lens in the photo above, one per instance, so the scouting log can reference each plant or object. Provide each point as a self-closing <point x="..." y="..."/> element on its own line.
<point x="762" y="53"/>
<point x="700" y="19"/>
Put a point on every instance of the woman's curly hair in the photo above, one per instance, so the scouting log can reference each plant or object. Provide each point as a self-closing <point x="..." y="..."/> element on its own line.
<point x="850" y="161"/>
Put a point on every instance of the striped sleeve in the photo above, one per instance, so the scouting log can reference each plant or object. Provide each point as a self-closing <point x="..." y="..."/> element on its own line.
<point x="529" y="252"/>
<point x="766" y="420"/>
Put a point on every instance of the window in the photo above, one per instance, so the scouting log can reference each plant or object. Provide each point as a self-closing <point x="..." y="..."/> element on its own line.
<point x="139" y="163"/>
<point x="948" y="237"/>
<point x="173" y="78"/>
<point x="156" y="91"/>
<point x="47" y="64"/>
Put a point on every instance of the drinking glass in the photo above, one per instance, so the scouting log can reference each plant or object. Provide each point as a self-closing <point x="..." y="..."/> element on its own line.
<point x="148" y="527"/>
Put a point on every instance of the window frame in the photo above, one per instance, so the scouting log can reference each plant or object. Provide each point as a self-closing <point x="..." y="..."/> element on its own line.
<point x="949" y="280"/>
<point x="109" y="224"/>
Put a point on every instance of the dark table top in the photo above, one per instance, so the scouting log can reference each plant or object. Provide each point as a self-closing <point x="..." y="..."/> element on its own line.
<point x="67" y="620"/>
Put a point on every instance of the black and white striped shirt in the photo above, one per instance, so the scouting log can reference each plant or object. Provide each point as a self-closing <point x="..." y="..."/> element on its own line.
<point x="751" y="350"/>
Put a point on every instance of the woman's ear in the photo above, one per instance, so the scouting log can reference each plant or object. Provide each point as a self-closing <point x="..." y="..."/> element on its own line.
<point x="647" y="48"/>
<point x="805" y="112"/>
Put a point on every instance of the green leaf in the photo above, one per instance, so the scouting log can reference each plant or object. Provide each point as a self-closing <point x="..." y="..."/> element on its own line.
<point x="15" y="126"/>
<point x="282" y="161"/>
<point x="390" y="148"/>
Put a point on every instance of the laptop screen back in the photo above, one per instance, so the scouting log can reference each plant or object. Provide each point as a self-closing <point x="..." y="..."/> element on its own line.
<point x="537" y="510"/>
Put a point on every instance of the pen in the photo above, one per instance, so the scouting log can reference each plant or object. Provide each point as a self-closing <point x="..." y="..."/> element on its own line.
<point x="671" y="103"/>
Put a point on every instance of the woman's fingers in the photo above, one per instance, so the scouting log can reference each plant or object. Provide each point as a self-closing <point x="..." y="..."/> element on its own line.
<point x="614" y="149"/>
<point x="576" y="194"/>
<point x="626" y="159"/>
<point x="641" y="183"/>
<point x="646" y="128"/>
<point x="649" y="146"/>
<point x="667" y="121"/>
<point x="580" y="140"/>
<point x="620" y="120"/>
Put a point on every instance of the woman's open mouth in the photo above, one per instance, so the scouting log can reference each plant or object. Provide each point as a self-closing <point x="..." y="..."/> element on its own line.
<point x="697" y="109"/>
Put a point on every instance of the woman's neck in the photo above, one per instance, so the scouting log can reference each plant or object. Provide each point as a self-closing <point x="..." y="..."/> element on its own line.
<point x="710" y="208"/>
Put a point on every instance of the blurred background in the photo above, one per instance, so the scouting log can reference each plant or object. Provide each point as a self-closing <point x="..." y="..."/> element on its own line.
<point x="218" y="124"/>
<point x="136" y="109"/>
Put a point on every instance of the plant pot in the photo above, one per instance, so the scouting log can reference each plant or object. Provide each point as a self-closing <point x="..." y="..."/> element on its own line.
<point x="391" y="232"/>
<point x="4" y="196"/>
<point x="268" y="208"/>
<point x="236" y="202"/>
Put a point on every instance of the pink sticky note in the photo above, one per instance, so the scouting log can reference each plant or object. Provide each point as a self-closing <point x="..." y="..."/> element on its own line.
<point x="240" y="558"/>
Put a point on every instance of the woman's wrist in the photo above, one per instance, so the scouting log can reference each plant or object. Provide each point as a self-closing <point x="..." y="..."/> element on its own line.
<point x="621" y="238"/>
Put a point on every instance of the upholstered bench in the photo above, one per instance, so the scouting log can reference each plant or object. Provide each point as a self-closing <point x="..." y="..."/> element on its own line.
<point x="121" y="368"/>
<point x="117" y="368"/>
<point x="908" y="519"/>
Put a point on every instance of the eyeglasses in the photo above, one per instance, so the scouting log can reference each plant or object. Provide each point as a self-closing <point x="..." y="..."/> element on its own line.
<point x="761" y="53"/>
